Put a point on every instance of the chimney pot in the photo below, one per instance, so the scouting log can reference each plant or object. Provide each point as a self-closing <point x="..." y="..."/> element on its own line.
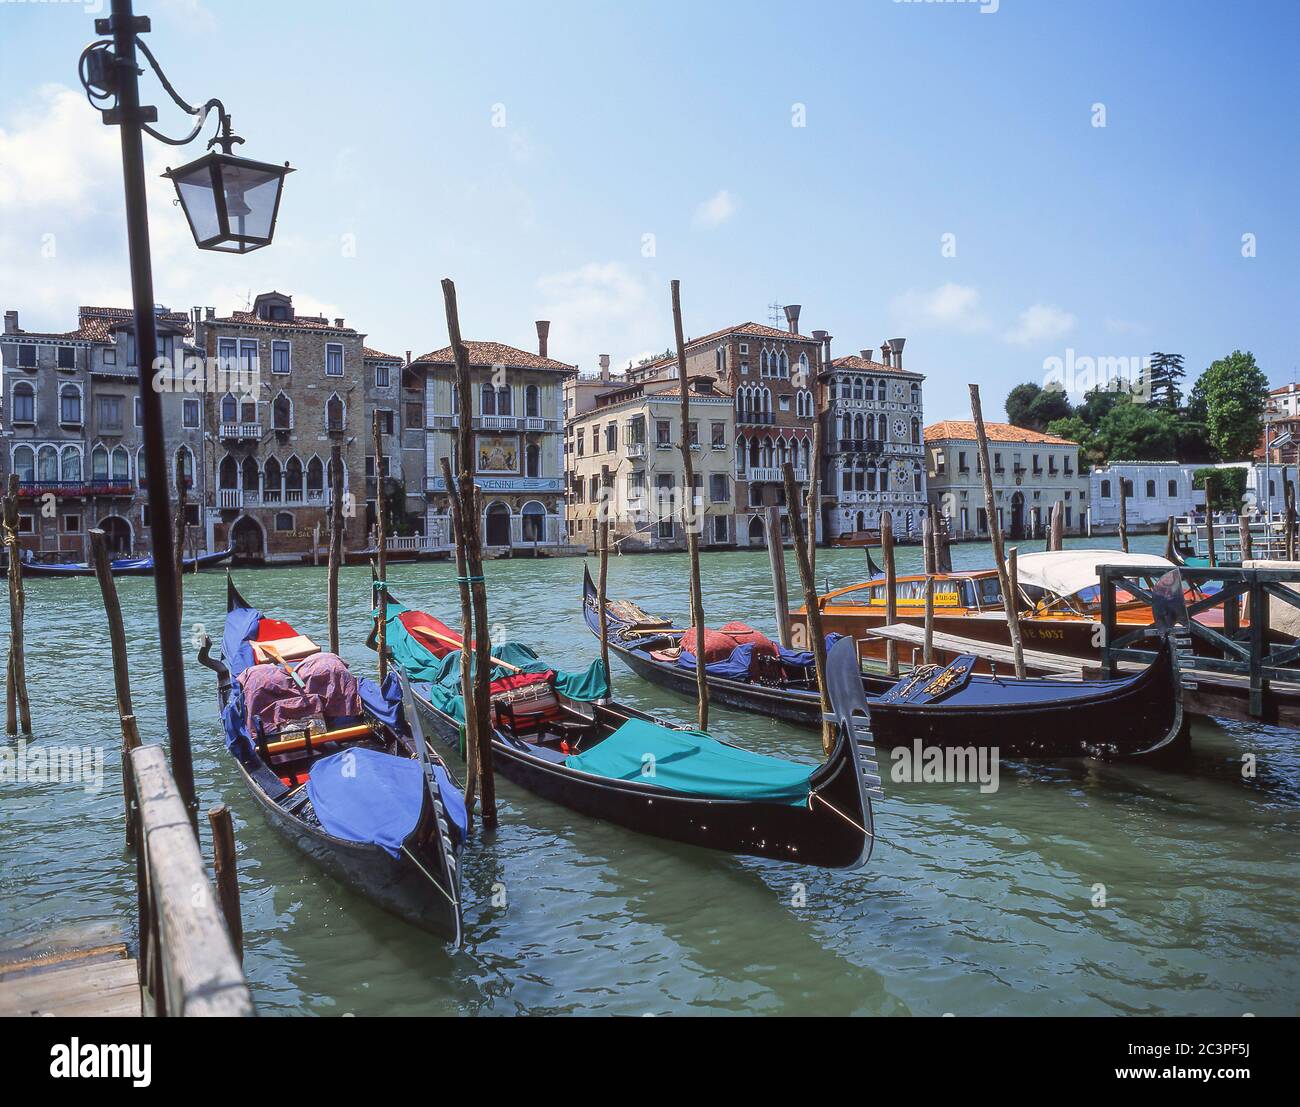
<point x="792" y="317"/>
<point x="210" y="313"/>
<point x="408" y="357"/>
<point x="604" y="367"/>
<point x="884" y="352"/>
<point x="866" y="354"/>
<point x="543" y="331"/>
<point x="11" y="322"/>
<point x="338" y="323"/>
<point x="896" y="344"/>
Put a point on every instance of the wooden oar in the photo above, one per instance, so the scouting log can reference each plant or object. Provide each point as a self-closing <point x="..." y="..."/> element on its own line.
<point x="290" y="744"/>
<point x="458" y="644"/>
<point x="275" y="656"/>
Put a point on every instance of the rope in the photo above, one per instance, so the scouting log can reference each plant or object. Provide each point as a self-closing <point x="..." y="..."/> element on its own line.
<point x="382" y="585"/>
<point x="814" y="795"/>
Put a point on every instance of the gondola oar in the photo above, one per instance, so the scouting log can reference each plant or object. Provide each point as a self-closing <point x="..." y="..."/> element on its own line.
<point x="458" y="644"/>
<point x="276" y="656"/>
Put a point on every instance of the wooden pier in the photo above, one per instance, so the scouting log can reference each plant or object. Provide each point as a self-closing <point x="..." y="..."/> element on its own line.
<point x="187" y="962"/>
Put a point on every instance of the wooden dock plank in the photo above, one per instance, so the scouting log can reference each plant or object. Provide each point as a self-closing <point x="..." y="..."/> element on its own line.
<point x="59" y="959"/>
<point x="1055" y="664"/>
<point x="108" y="988"/>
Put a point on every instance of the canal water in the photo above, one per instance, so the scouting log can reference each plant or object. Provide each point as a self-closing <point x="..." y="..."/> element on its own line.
<point x="1076" y="888"/>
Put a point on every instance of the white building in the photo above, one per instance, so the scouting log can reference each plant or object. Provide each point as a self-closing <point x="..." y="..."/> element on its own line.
<point x="1031" y="471"/>
<point x="1155" y="489"/>
<point x="874" y="446"/>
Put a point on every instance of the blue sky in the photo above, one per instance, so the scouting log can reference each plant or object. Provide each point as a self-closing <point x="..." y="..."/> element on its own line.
<point x="675" y="120"/>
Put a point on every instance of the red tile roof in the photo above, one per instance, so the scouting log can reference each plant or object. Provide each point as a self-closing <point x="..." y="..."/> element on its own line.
<point x="964" y="429"/>
<point x="855" y="361"/>
<point x="377" y="355"/>
<point x="309" y="322"/>
<point x="488" y="354"/>
<point x="94" y="324"/>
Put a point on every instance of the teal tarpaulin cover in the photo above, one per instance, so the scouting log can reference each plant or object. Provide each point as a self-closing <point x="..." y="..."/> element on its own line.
<point x="688" y="761"/>
<point x="443" y="675"/>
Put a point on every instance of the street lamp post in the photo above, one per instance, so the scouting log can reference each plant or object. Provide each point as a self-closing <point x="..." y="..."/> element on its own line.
<point x="113" y="75"/>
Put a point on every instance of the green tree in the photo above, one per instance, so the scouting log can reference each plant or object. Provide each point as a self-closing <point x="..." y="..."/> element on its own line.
<point x="1165" y="372"/>
<point x="1074" y="428"/>
<point x="1225" y="489"/>
<point x="1049" y="404"/>
<point x="1097" y="402"/>
<point x="1235" y="390"/>
<point x="1019" y="400"/>
<point x="1137" y="432"/>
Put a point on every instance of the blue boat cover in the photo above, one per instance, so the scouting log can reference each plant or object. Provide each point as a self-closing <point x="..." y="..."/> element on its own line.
<point x="366" y="796"/>
<point x="241" y="626"/>
<point x="736" y="666"/>
<point x="691" y="762"/>
<point x="385" y="703"/>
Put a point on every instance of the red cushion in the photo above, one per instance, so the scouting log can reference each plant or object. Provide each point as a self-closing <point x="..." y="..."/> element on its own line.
<point x="268" y="630"/>
<point x="413" y="621"/>
<point x="521" y="680"/>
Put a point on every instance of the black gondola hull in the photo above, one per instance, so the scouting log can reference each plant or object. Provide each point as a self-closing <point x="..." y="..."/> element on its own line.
<point x="831" y="830"/>
<point x="1021" y="719"/>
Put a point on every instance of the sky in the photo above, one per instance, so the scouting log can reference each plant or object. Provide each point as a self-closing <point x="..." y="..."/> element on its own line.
<point x="931" y="171"/>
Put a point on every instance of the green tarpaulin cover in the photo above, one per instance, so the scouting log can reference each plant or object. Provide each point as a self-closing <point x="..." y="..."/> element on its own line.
<point x="443" y="675"/>
<point x="688" y="761"/>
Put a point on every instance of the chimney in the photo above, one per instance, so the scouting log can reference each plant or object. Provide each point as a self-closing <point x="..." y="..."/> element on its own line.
<point x="543" y="330"/>
<point x="604" y="367"/>
<point x="896" y="344"/>
<point x="408" y="357"/>
<point x="792" y="317"/>
<point x="884" y="352"/>
<point x="11" y="322"/>
<point x="866" y="354"/>
<point x="338" y="323"/>
<point x="826" y="349"/>
<point x="209" y="313"/>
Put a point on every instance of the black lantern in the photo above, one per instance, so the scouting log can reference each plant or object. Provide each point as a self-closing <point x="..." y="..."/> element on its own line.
<point x="231" y="202"/>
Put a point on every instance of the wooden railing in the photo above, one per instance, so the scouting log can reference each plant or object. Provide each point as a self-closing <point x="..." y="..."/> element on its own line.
<point x="1247" y="599"/>
<point x="188" y="964"/>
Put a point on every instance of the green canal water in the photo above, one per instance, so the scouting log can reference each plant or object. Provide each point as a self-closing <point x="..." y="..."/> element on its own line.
<point x="973" y="904"/>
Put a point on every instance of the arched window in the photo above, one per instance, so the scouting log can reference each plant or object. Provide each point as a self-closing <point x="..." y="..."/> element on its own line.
<point x="228" y="473"/>
<point x="252" y="476"/>
<point x="916" y="431"/>
<point x="803" y="365"/>
<point x="785" y="364"/>
<point x="229" y="409"/>
<point x="25" y="463"/>
<point x="47" y="464"/>
<point x="140" y="468"/>
<point x="487" y="400"/>
<point x="315" y="477"/>
<point x="1105" y="490"/>
<point x="185" y="467"/>
<point x="70" y="405"/>
<point x="1151" y="490"/>
<point x="335" y="413"/>
<point x="284" y="520"/>
<point x="857" y="389"/>
<point x="293" y="480"/>
<point x="762" y="364"/>
<point x="121" y="464"/>
<point x="282" y="412"/>
<point x="533" y="460"/>
<point x="881" y="389"/>
<point x="99" y="463"/>
<point x="70" y="464"/>
<point x="24" y="403"/>
<point x="505" y="401"/>
<point x="740" y="455"/>
<point x="271" y="479"/>
<point x="533" y="402"/>
<point x="916" y="393"/>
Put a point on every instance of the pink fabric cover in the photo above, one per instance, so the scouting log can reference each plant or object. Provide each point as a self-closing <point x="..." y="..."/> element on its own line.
<point x="271" y="695"/>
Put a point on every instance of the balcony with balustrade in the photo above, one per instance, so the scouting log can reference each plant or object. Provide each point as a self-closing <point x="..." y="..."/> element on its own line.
<point x="241" y="432"/>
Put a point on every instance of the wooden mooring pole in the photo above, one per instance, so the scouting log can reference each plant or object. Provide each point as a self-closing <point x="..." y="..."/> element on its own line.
<point x="380" y="598"/>
<point x="891" y="586"/>
<point x="18" y="711"/>
<point x="470" y="536"/>
<point x="1123" y="514"/>
<point x="691" y="516"/>
<point x="776" y="561"/>
<point x="179" y="540"/>
<point x="1247" y="542"/>
<point x="226" y="874"/>
<point x="1288" y="495"/>
<point x="811" y="606"/>
<point x="336" y="544"/>
<point x="466" y="638"/>
<point x="600" y="589"/>
<point x="1169" y="539"/>
<point x="928" y="560"/>
<point x="1009" y="601"/>
<point x="1056" y="536"/>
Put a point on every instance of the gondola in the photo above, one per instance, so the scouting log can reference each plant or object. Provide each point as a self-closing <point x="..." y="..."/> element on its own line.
<point x="559" y="736"/>
<point x="119" y="567"/>
<point x="942" y="706"/>
<point x="366" y="799"/>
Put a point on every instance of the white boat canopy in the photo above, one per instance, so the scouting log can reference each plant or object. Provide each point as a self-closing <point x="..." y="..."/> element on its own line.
<point x="1069" y="572"/>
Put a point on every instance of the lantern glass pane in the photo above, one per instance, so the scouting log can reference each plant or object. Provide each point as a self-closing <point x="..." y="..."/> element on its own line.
<point x="195" y="190"/>
<point x="251" y="195"/>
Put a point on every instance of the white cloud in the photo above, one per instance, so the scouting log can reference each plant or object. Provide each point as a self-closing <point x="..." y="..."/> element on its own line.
<point x="950" y="306"/>
<point x="57" y="155"/>
<point x="1040" y="323"/>
<point x="600" y="307"/>
<point x="716" y="210"/>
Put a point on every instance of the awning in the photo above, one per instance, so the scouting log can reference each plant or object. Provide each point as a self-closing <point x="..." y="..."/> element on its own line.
<point x="1069" y="572"/>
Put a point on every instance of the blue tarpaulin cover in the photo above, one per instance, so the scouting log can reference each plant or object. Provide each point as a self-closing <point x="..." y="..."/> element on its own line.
<point x="362" y="795"/>
<point x="241" y="625"/>
<point x="688" y="761"/>
<point x="737" y="665"/>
